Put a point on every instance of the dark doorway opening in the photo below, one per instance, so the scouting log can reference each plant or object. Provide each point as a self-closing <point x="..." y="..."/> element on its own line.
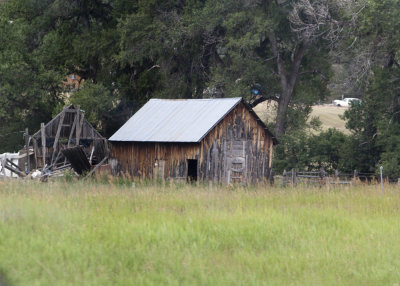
<point x="192" y="170"/>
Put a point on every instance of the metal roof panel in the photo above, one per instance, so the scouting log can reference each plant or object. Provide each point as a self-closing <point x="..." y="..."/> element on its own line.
<point x="176" y="120"/>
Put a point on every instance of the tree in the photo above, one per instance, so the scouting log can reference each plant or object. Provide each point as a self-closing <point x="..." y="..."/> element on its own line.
<point x="29" y="89"/>
<point x="282" y="46"/>
<point x="168" y="40"/>
<point x="307" y="151"/>
<point x="45" y="41"/>
<point x="375" y="122"/>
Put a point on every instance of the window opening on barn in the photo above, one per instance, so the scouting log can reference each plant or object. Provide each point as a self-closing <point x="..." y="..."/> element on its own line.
<point x="192" y="170"/>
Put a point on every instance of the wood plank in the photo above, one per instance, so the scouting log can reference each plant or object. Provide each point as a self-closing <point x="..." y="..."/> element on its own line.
<point x="35" y="151"/>
<point x="78" y="133"/>
<point x="97" y="166"/>
<point x="55" y="144"/>
<point x="27" y="149"/>
<point x="55" y="161"/>
<point x="91" y="155"/>
<point x="71" y="132"/>
<point x="79" y="129"/>
<point x="13" y="164"/>
<point x="19" y="173"/>
<point x="43" y="134"/>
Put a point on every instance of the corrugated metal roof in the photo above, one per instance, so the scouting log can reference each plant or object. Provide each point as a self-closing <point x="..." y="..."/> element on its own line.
<point x="176" y="120"/>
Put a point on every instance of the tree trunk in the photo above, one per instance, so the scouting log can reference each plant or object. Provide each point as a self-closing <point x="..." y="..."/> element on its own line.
<point x="280" y="121"/>
<point x="288" y="81"/>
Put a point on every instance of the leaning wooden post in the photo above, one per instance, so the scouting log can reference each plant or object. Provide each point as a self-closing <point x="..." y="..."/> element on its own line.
<point x="27" y="150"/>
<point x="55" y="144"/>
<point x="43" y="133"/>
<point x="97" y="166"/>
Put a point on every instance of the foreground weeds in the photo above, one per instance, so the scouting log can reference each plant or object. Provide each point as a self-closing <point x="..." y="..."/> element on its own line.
<point x="88" y="233"/>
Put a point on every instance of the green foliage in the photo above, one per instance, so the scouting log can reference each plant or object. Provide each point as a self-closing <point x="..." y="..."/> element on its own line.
<point x="375" y="124"/>
<point x="28" y="88"/>
<point x="309" y="151"/>
<point x="97" y="101"/>
<point x="246" y="57"/>
<point x="292" y="152"/>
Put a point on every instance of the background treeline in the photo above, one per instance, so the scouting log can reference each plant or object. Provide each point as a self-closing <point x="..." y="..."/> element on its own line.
<point x="295" y="53"/>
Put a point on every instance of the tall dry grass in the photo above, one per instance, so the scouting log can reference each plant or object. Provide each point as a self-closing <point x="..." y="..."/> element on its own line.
<point x="91" y="233"/>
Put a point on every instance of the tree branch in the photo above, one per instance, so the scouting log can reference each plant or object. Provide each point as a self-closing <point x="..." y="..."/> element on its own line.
<point x="280" y="64"/>
<point x="297" y="62"/>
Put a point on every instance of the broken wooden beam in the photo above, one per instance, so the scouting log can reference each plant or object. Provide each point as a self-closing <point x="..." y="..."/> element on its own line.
<point x="97" y="166"/>
<point x="13" y="164"/>
<point x="55" y="144"/>
<point x="19" y="173"/>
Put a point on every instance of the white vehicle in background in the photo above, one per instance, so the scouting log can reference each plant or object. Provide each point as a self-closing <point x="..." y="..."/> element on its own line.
<point x="345" y="101"/>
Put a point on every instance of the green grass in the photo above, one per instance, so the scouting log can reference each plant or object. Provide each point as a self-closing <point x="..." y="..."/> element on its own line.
<point x="101" y="234"/>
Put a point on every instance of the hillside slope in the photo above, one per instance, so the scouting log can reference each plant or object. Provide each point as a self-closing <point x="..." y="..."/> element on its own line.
<point x="328" y="114"/>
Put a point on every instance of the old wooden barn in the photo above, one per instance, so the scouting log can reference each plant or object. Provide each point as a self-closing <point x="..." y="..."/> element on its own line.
<point x="219" y="140"/>
<point x="68" y="129"/>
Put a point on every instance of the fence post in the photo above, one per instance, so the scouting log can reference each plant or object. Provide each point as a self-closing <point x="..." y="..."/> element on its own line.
<point x="327" y="183"/>
<point x="293" y="177"/>
<point x="321" y="176"/>
<point x="26" y="134"/>
<point x="336" y="176"/>
<point x="355" y="175"/>
<point x="284" y="178"/>
<point x="381" y="171"/>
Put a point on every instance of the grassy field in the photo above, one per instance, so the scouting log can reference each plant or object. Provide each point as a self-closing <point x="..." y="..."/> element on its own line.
<point x="101" y="234"/>
<point x="328" y="114"/>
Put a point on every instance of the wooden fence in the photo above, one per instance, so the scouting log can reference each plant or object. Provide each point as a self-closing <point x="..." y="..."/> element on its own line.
<point x="293" y="177"/>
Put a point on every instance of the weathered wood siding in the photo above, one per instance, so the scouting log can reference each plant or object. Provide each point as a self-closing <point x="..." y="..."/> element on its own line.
<point x="237" y="150"/>
<point x="142" y="159"/>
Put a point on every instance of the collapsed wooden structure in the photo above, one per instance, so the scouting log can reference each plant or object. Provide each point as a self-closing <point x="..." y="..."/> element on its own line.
<point x="66" y="130"/>
<point x="219" y="140"/>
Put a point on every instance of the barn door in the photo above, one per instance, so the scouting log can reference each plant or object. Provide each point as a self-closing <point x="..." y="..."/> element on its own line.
<point x="236" y="162"/>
